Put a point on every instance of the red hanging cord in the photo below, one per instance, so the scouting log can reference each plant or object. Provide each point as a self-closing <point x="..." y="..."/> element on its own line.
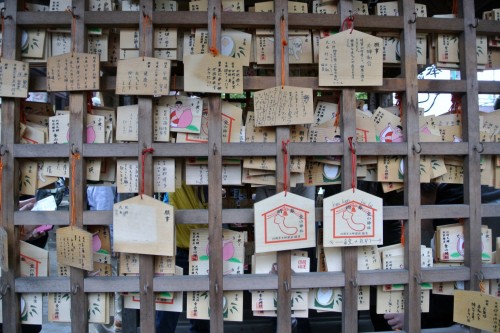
<point x="284" y="43"/>
<point x="74" y="158"/>
<point x="146" y="24"/>
<point x="454" y="8"/>
<point x="402" y="237"/>
<point x="144" y="152"/>
<point x="399" y="104"/>
<point x="89" y="103"/>
<point x="348" y="23"/>
<point x="456" y="104"/>
<point x="213" y="48"/>
<point x="337" y="115"/>
<point x="73" y="29"/>
<point x="284" y="148"/>
<point x="353" y="162"/>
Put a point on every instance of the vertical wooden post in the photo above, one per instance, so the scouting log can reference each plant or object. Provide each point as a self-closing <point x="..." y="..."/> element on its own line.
<point x="10" y="187"/>
<point x="282" y="134"/>
<point x="215" y="185"/>
<point x="145" y="136"/>
<point x="412" y="168"/>
<point x="78" y="116"/>
<point x="350" y="254"/>
<point x="470" y="121"/>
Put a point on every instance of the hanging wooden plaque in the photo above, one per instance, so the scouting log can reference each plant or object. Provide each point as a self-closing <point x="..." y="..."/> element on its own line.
<point x="73" y="72"/>
<point x="143" y="76"/>
<point x="206" y="73"/>
<point x="144" y="226"/>
<point x="283" y="106"/>
<point x="74" y="248"/>
<point x="13" y="78"/>
<point x="352" y="218"/>
<point x="284" y="221"/>
<point x="350" y="58"/>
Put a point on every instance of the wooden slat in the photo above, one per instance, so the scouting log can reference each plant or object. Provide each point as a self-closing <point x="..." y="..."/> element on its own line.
<point x="43" y="284"/>
<point x="439" y="25"/>
<point x="47" y="20"/>
<point x="10" y="188"/>
<point x="442" y="148"/>
<point x="444" y="274"/>
<point x="41" y="151"/>
<point x="412" y="166"/>
<point x="216" y="282"/>
<point x="472" y="173"/>
<point x="77" y="134"/>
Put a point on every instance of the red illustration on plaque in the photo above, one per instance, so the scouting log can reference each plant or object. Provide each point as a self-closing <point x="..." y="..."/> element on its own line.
<point x="285" y="221"/>
<point x="352" y="218"/>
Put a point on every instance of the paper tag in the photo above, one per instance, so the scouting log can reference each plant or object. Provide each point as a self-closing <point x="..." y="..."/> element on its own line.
<point x="284" y="221"/>
<point x="74" y="248"/>
<point x="4" y="249"/>
<point x="477" y="310"/>
<point x="73" y="72"/>
<point x="184" y="113"/>
<point x="144" y="226"/>
<point x="219" y="74"/>
<point x="350" y="58"/>
<point x="143" y="76"/>
<point x="352" y="218"/>
<point x="283" y="106"/>
<point x="13" y="78"/>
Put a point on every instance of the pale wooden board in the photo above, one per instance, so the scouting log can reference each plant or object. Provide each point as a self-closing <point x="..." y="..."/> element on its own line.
<point x="164" y="174"/>
<point x="234" y="43"/>
<point x="352" y="218"/>
<point x="477" y="310"/>
<point x="198" y="305"/>
<point x="144" y="226"/>
<point x="143" y="76"/>
<point x="14" y="76"/>
<point x="74" y="248"/>
<point x="283" y="106"/>
<point x="219" y="74"/>
<point x="127" y="176"/>
<point x="350" y="58"/>
<point x="34" y="261"/>
<point x="73" y="72"/>
<point x="127" y="119"/>
<point x="284" y="222"/>
<point x="185" y="113"/>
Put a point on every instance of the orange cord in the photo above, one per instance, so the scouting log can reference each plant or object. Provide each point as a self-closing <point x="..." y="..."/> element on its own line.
<point x="74" y="158"/>
<point x="454" y="8"/>
<point x="284" y="147"/>
<point x="146" y="24"/>
<point x="399" y="97"/>
<point x="213" y="48"/>
<point x="456" y="104"/>
<point x="283" y="44"/>
<point x="337" y="116"/>
<point x="73" y="29"/>
<point x="402" y="238"/>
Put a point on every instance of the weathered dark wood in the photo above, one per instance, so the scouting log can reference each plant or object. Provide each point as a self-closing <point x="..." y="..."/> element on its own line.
<point x="412" y="166"/>
<point x="439" y="25"/>
<point x="78" y="116"/>
<point x="472" y="172"/>
<point x="145" y="159"/>
<point x="10" y="189"/>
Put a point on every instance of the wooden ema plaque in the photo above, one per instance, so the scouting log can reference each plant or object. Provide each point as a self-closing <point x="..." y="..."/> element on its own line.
<point x="73" y="72"/>
<point x="350" y="58"/>
<point x="283" y="106"/>
<point x="143" y="76"/>
<point x="144" y="226"/>
<point x="284" y="221"/>
<point x="477" y="310"/>
<point x="206" y="73"/>
<point x="352" y="218"/>
<point x="13" y="78"/>
<point x="74" y="248"/>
